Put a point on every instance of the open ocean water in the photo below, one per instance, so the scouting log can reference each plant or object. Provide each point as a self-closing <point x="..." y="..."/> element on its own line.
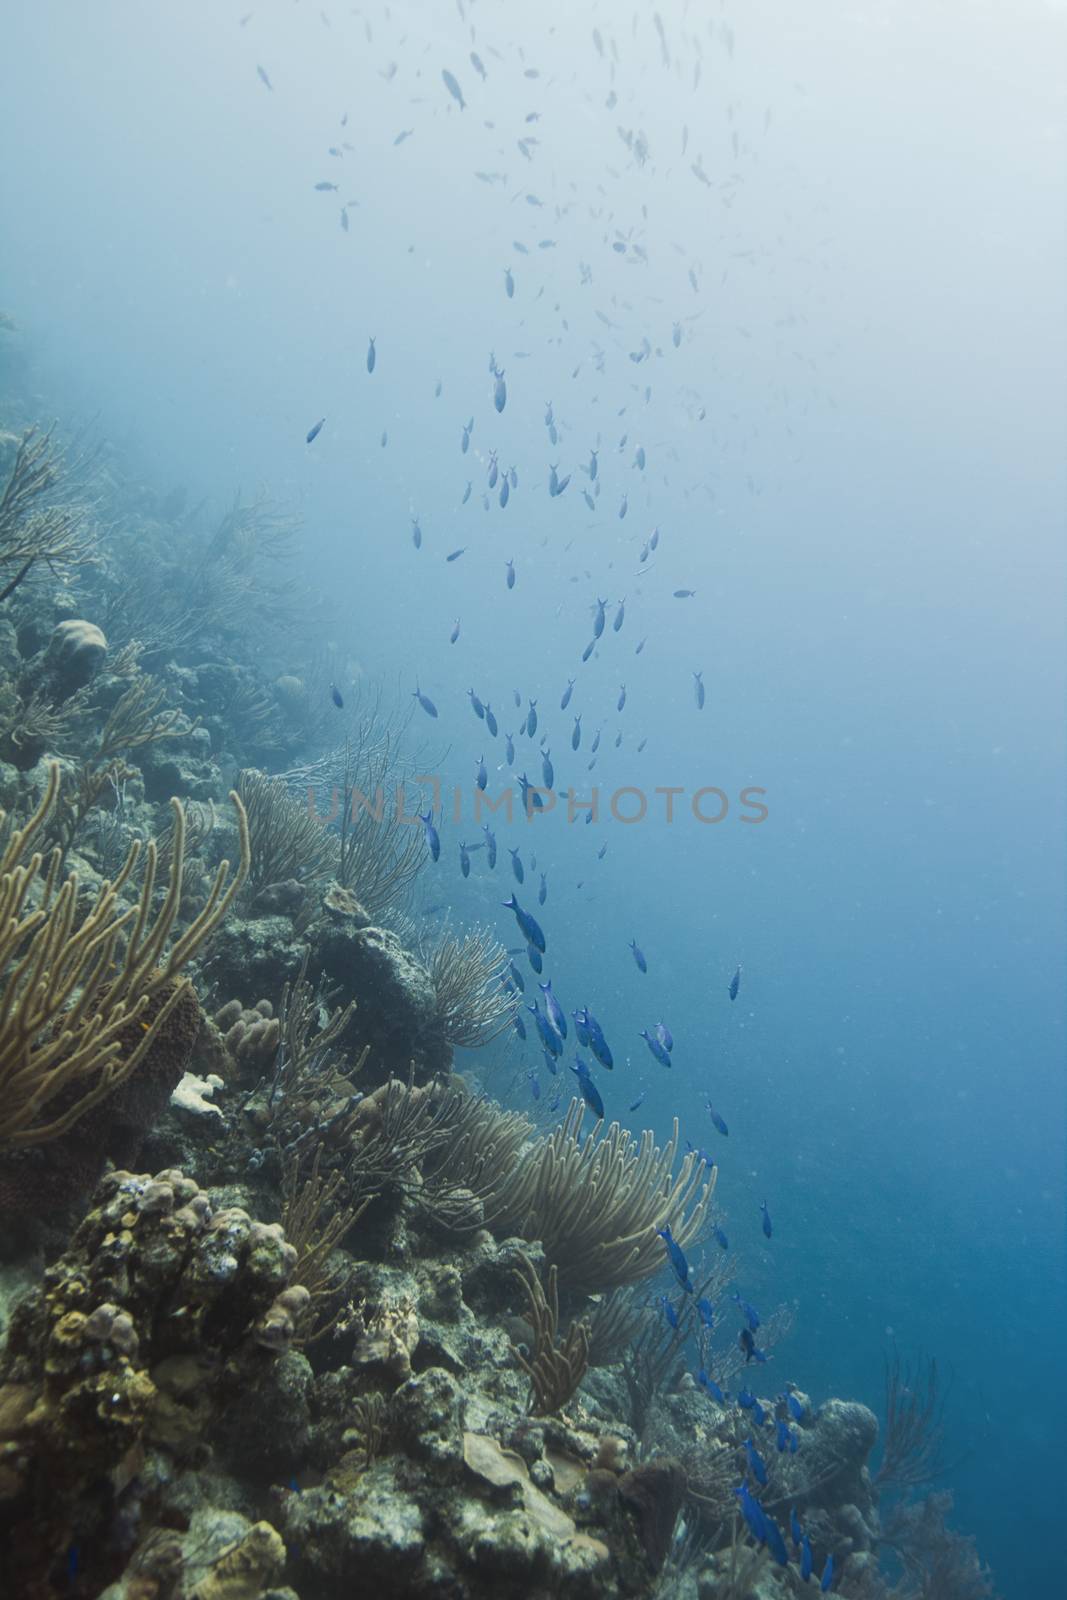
<point x="790" y="280"/>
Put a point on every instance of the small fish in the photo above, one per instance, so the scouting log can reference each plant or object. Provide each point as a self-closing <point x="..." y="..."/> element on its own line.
<point x="509" y="283"/>
<point x="590" y="1092"/>
<point x="476" y="705"/>
<point x="746" y="1399"/>
<point x="576" y="736"/>
<point x="796" y="1409"/>
<point x="599" y="618"/>
<point x="622" y="698"/>
<point x="457" y="553"/>
<point x="775" y="1542"/>
<point x="553" y="1009"/>
<point x="550" y="1039"/>
<point x="314" y="432"/>
<point x="548" y="771"/>
<point x="531" y="720"/>
<point x="261" y="73"/>
<point x="684" y="594"/>
<point x="519" y="1026"/>
<point x="500" y="391"/>
<point x="481" y="776"/>
<point x="372" y="356"/>
<point x="516" y="977"/>
<point x="466" y="493"/>
<point x="454" y="635"/>
<point x="676" y="1256"/>
<point x="718" y="1121"/>
<point x="707" y="1312"/>
<point x="568" y="691"/>
<point x="735" y="984"/>
<point x="620" y="617"/>
<point x="698" y="689"/>
<point x="806" y="1560"/>
<point x="668" y="1311"/>
<point x="344" y="218"/>
<point x="588" y="651"/>
<point x="453" y="88"/>
<point x="706" y="1381"/>
<point x="416" y="533"/>
<point x="639" y="458"/>
<point x="530" y="930"/>
<point x="335" y="696"/>
<point x="490" y="720"/>
<point x="658" y="1051"/>
<point x="324" y="187"/>
<point x="756" y="1464"/>
<point x="639" y="1101"/>
<point x="752" y="1512"/>
<point x="478" y="65"/>
<point x="425" y="702"/>
<point x="639" y="956"/>
<point x="535" y="1083"/>
<point x="464" y="861"/>
<point x="430" y="833"/>
<point x="509" y="748"/>
<point x="623" y="507"/>
<point x="827" y="1579"/>
<point x="534" y="958"/>
<point x="466" y="444"/>
<point x="517" y="866"/>
<point x="665" y="1036"/>
<point x="767" y="1230"/>
<point x="505" y="493"/>
<point x="676" y="335"/>
<point x="750" y="1314"/>
<point x="405" y="133"/>
<point x="542" y="892"/>
<point x="597" y="1042"/>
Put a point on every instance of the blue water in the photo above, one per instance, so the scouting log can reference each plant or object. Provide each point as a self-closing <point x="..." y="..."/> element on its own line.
<point x="854" y="458"/>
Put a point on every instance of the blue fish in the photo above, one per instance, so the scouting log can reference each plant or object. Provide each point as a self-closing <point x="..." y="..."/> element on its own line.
<point x="509" y="749"/>
<point x="590" y="1092"/>
<point x="581" y="1027"/>
<point x="750" y="1314"/>
<point x="500" y="391"/>
<point x="481" y="777"/>
<point x="534" y="957"/>
<point x="706" y="1381"/>
<point x="519" y="1026"/>
<point x="464" y="861"/>
<point x="550" y="1039"/>
<point x="668" y="1311"/>
<point x="707" y="1312"/>
<point x="775" y="1542"/>
<point x="425" y="702"/>
<point x="664" y="1035"/>
<point x="576" y="736"/>
<point x="752" y="1512"/>
<point x="639" y="956"/>
<point x="767" y="1229"/>
<point x="746" y="1399"/>
<point x="622" y="698"/>
<point x="720" y="1238"/>
<point x="599" y="618"/>
<point x="566" y="697"/>
<point x="542" y="890"/>
<point x="620" y="617"/>
<point x="490" y="720"/>
<point x="698" y="687"/>
<point x="529" y="928"/>
<point x="676" y="1255"/>
<point x="517" y="977"/>
<point x="550" y="1063"/>
<point x="335" y="696"/>
<point x="433" y="841"/>
<point x="597" y="1042"/>
<point x="454" y="635"/>
<point x="756" y="1464"/>
<point x="554" y="1009"/>
<point x="759" y="1413"/>
<point x="490" y="845"/>
<point x="658" y="1051"/>
<point x="806" y="1562"/>
<point x="718" y="1121"/>
<point x="516" y="864"/>
<point x="548" y="771"/>
<point x="531" y="720"/>
<point x="372" y="356"/>
<point x="826" y="1582"/>
<point x="639" y="1101"/>
<point x="796" y="1410"/>
<point x="314" y="432"/>
<point x="476" y="705"/>
<point x="735" y="984"/>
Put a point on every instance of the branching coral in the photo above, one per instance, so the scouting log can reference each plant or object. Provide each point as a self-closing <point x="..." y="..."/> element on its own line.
<point x="287" y="840"/>
<point x="914" y="1433"/>
<point x="315" y="1236"/>
<point x="554" y="1369"/>
<point x="33" y="527"/>
<point x="73" y="989"/>
<point x="596" y="1205"/>
<point x="472" y="1005"/>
